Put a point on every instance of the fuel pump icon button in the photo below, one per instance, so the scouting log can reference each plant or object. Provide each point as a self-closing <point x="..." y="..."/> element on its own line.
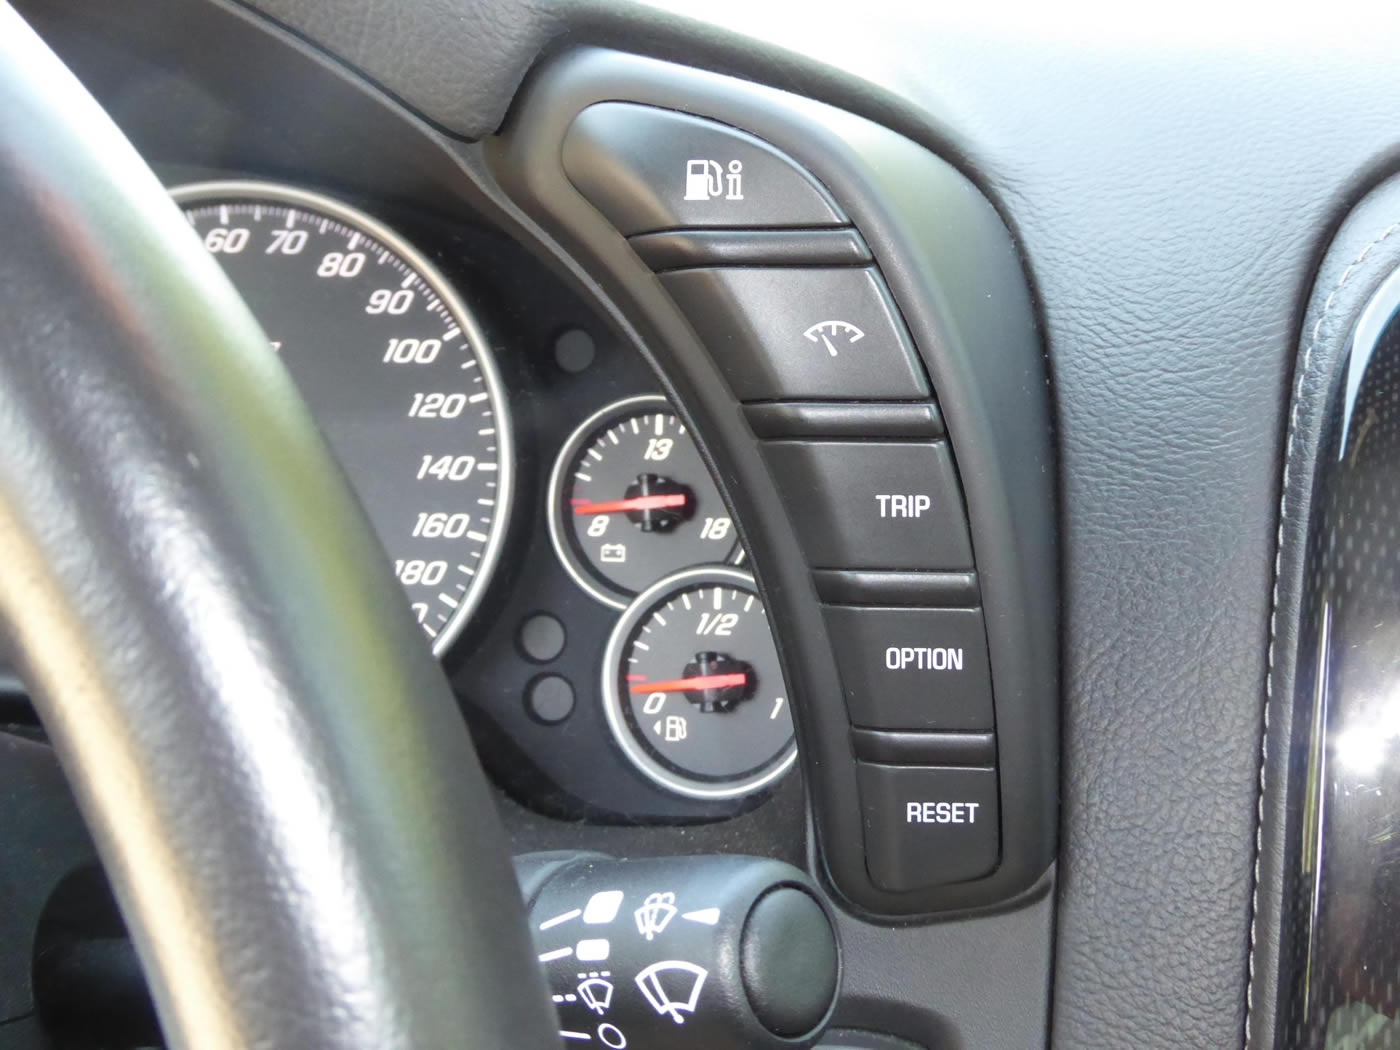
<point x="650" y="169"/>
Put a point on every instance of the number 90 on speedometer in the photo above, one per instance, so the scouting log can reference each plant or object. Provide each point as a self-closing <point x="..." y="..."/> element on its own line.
<point x="396" y="372"/>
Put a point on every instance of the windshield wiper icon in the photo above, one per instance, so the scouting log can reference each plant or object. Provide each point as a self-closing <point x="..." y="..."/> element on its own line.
<point x="655" y="914"/>
<point x="685" y="980"/>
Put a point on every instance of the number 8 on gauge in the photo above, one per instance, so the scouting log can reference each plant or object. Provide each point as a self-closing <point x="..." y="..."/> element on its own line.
<point x="692" y="687"/>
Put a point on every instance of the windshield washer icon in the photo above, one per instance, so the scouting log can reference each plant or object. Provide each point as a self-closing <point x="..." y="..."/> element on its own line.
<point x="596" y="992"/>
<point x="684" y="979"/>
<point x="655" y="914"/>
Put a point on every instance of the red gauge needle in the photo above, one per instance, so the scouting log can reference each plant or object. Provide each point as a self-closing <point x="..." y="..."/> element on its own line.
<point x="618" y="506"/>
<point x="704" y="681"/>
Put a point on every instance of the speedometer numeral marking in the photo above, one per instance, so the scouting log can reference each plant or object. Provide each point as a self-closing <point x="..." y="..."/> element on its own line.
<point x="326" y="260"/>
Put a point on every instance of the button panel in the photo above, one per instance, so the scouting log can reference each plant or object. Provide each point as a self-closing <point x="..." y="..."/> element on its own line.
<point x="855" y="460"/>
<point x="917" y="669"/>
<point x="928" y="825"/>
<point x="648" y="169"/>
<point x="873" y="505"/>
<point x="789" y="334"/>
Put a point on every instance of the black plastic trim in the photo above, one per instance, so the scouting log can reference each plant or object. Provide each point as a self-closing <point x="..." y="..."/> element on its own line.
<point x="954" y="271"/>
<point x="680" y="249"/>
<point x="855" y="419"/>
<point x="924" y="749"/>
<point x="941" y="590"/>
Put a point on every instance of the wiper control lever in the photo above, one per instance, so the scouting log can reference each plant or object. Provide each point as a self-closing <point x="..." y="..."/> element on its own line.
<point x="682" y="953"/>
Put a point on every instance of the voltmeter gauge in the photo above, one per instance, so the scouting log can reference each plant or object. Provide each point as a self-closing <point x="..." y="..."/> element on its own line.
<point x="692" y="687"/>
<point x="631" y="500"/>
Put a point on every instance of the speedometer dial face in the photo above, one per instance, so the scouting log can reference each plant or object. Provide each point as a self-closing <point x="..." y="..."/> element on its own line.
<point x="631" y="500"/>
<point x="396" y="372"/>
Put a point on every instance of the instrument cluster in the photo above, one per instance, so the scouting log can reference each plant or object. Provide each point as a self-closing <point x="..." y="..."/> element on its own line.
<point x="556" y="529"/>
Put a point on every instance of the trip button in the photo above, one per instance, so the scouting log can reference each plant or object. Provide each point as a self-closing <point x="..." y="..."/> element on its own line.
<point x="928" y="825"/>
<point x="872" y="505"/>
<point x="919" y="669"/>
<point x="801" y="333"/>
<point x="650" y="169"/>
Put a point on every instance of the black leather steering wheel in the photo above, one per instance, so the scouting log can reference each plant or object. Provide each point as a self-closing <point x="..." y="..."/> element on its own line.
<point x="283" y="794"/>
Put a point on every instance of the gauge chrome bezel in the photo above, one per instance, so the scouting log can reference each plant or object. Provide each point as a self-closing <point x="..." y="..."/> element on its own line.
<point x="558" y="538"/>
<point x="613" y="656"/>
<point x="577" y="441"/>
<point x="240" y="190"/>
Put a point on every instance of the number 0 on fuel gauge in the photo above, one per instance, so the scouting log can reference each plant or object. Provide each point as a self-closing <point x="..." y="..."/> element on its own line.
<point x="631" y="501"/>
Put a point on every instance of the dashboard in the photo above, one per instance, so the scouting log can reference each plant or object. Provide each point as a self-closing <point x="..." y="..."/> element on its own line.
<point x="872" y="450"/>
<point x="714" y="464"/>
<point x="937" y="456"/>
<point x="622" y="668"/>
<point x="790" y="515"/>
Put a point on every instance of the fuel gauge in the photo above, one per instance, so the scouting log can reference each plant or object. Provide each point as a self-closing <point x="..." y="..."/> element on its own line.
<point x="631" y="500"/>
<point x="692" y="687"/>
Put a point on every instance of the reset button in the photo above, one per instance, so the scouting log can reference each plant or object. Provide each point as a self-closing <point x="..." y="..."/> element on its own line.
<point x="928" y="825"/>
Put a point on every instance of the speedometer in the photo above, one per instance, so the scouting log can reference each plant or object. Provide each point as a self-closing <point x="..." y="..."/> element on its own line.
<point x="396" y="372"/>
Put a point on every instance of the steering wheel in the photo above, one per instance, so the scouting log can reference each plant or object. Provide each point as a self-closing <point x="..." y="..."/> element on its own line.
<point x="271" y="763"/>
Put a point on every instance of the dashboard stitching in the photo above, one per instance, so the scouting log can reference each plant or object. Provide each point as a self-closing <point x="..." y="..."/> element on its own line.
<point x="1274" y="604"/>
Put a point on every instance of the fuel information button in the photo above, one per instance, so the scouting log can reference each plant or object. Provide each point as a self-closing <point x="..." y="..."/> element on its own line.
<point x="647" y="169"/>
<point x="928" y="825"/>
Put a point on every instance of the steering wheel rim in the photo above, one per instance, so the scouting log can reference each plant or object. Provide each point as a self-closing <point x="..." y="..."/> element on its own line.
<point x="277" y="780"/>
